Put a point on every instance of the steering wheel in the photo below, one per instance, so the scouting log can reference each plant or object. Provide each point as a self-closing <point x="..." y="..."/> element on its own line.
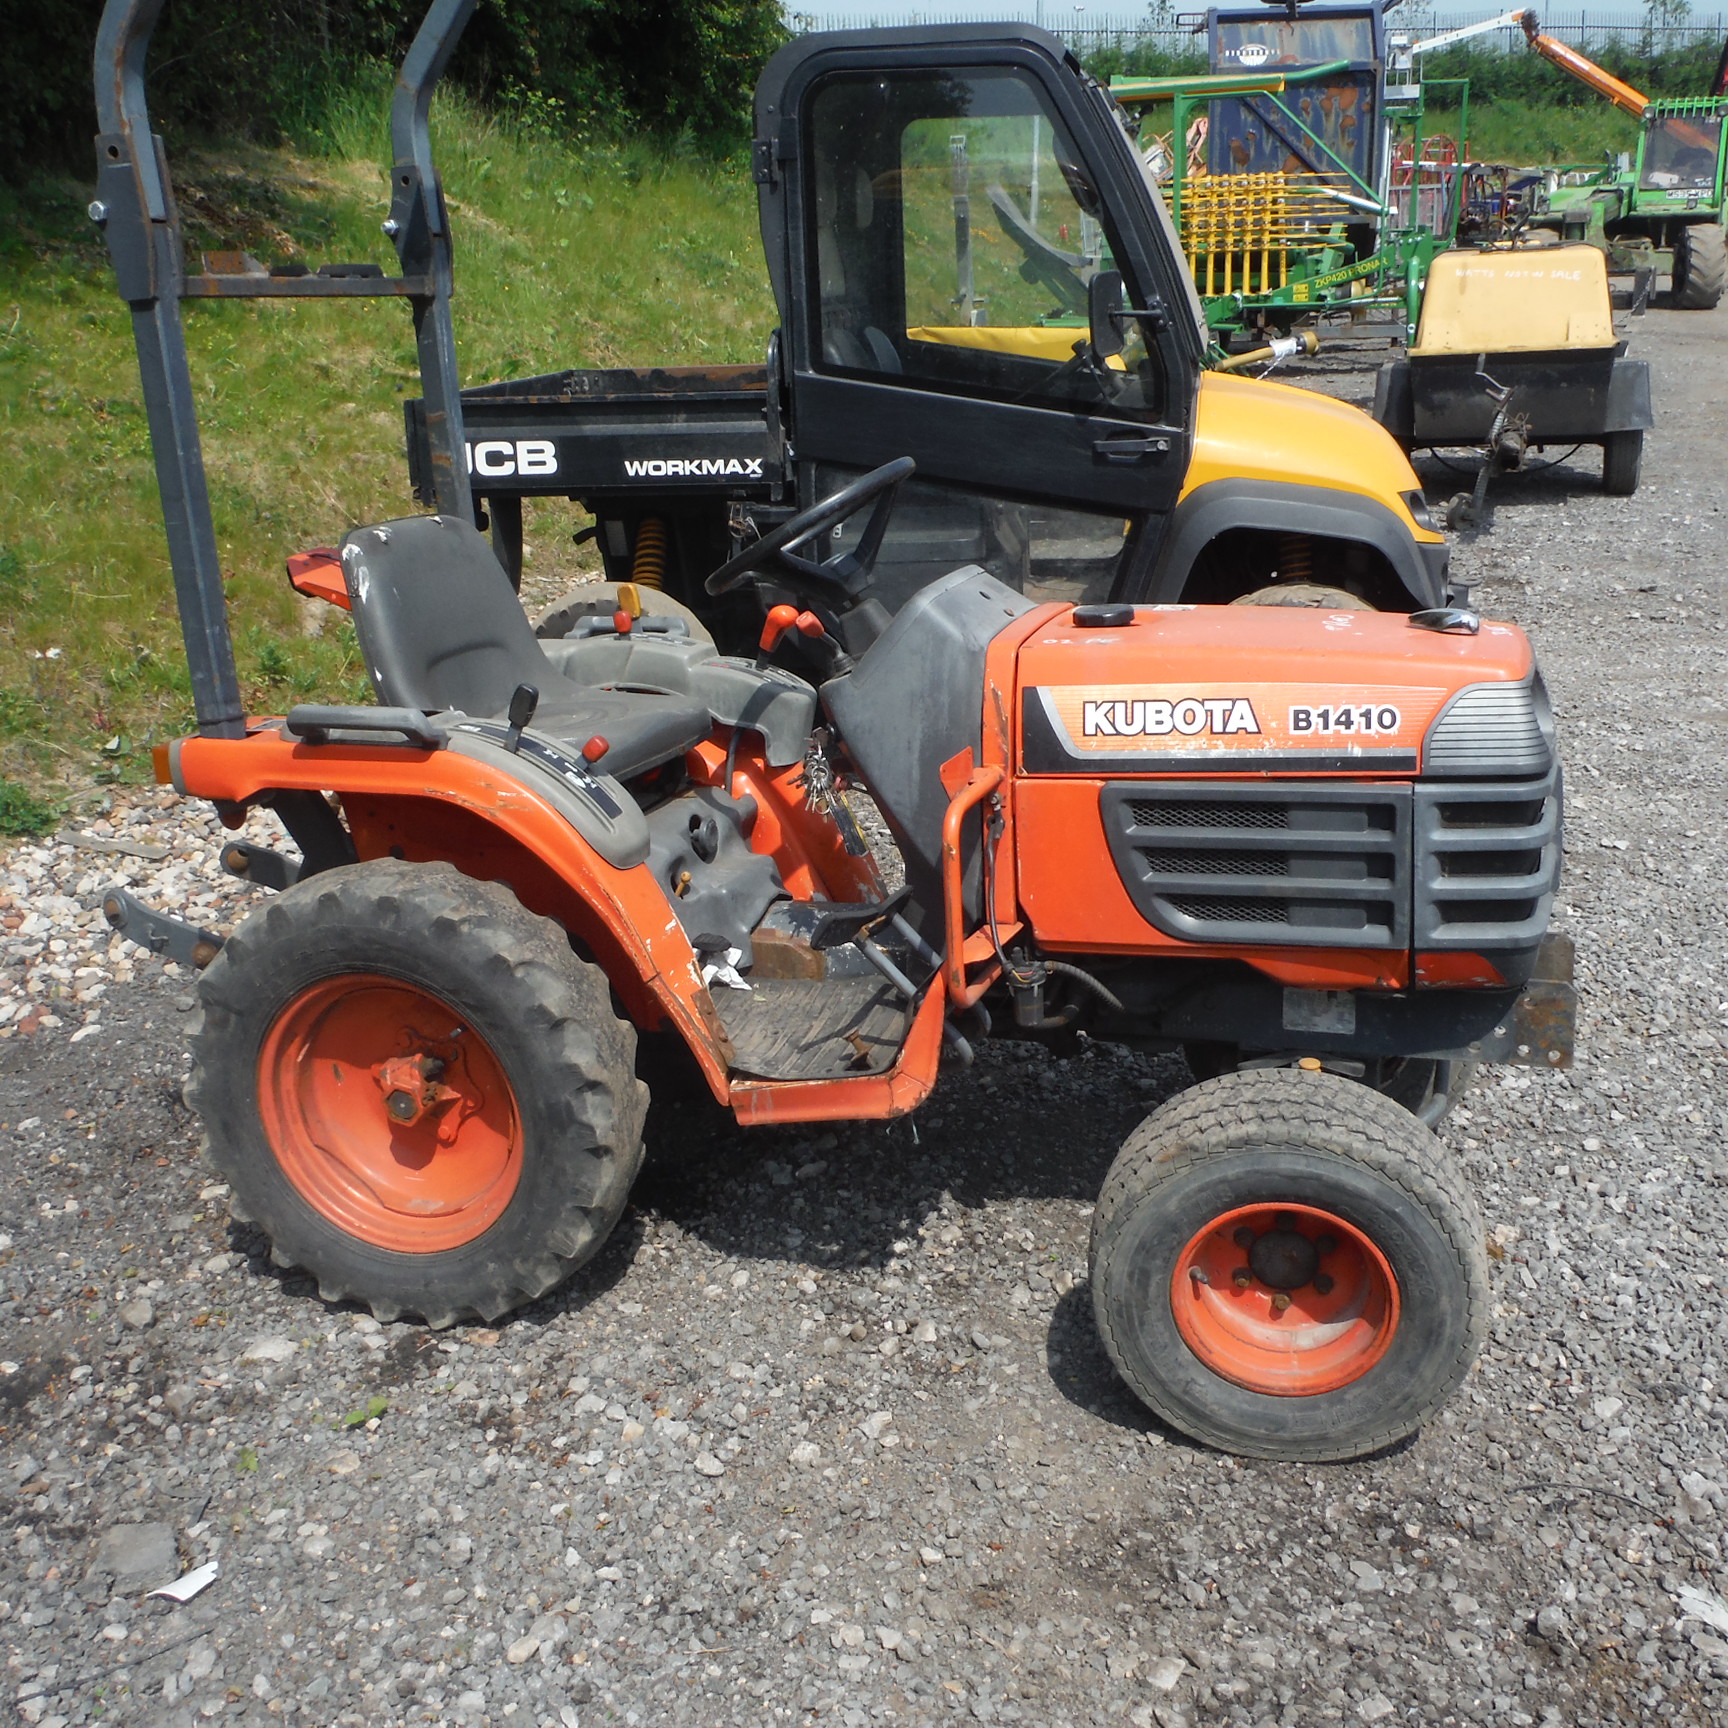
<point x="848" y="573"/>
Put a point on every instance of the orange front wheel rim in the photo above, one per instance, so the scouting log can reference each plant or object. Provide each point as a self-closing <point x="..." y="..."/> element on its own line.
<point x="1285" y="1299"/>
<point x="389" y="1114"/>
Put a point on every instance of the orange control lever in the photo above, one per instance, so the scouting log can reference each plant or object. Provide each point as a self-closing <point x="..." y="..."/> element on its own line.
<point x="780" y="619"/>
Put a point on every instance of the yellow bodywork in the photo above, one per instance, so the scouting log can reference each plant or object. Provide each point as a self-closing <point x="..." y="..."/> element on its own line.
<point x="1247" y="429"/>
<point x="1515" y="302"/>
<point x="1036" y="341"/>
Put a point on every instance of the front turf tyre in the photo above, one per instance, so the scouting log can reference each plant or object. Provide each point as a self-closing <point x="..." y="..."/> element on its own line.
<point x="1427" y="1088"/>
<point x="1622" y="457"/>
<point x="1700" y="276"/>
<point x="1287" y="1265"/>
<point x="417" y="1091"/>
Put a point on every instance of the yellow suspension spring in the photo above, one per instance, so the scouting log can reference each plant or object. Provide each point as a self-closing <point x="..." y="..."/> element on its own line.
<point x="648" y="562"/>
<point x="1295" y="558"/>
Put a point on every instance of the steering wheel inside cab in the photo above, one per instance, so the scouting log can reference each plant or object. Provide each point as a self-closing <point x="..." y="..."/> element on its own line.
<point x="838" y="584"/>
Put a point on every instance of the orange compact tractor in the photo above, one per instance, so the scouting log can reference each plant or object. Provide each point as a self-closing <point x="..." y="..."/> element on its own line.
<point x="1315" y="848"/>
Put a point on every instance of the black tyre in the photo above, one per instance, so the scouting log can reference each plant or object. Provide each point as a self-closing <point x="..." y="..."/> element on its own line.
<point x="417" y="1091"/>
<point x="1700" y="267"/>
<point x="1426" y="1088"/>
<point x="1317" y="594"/>
<point x="1622" y="457"/>
<point x="1286" y="1265"/>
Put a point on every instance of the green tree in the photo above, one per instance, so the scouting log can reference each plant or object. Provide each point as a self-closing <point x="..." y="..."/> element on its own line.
<point x="255" y="68"/>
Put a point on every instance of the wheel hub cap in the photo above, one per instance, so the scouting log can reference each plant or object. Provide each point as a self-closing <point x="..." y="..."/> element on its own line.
<point x="1288" y="1300"/>
<point x="389" y="1115"/>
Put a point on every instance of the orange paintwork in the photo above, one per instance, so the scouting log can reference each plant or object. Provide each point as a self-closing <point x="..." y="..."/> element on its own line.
<point x="980" y="783"/>
<point x="804" y="844"/>
<point x="1250" y="429"/>
<point x="1201" y="661"/>
<point x="1297" y="1343"/>
<point x="868" y="1097"/>
<point x="1062" y="845"/>
<point x="330" y="1065"/>
<point x="1441" y="971"/>
<point x="490" y="827"/>
<point x="1280" y="657"/>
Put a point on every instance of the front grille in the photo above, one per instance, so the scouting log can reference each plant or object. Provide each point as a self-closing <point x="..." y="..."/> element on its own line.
<point x="1207" y="813"/>
<point x="1215" y="863"/>
<point x="1487" y="863"/>
<point x="1311" y="864"/>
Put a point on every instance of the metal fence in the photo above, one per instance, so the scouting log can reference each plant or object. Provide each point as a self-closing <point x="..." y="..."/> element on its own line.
<point x="1088" y="30"/>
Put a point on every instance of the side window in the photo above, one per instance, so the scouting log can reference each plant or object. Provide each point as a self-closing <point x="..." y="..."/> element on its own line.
<point x="955" y="231"/>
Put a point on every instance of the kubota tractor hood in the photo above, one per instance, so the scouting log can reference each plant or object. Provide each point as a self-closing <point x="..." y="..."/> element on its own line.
<point x="1279" y="690"/>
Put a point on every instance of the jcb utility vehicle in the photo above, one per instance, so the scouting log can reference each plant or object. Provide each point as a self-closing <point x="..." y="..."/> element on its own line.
<point x="1316" y="848"/>
<point x="972" y="268"/>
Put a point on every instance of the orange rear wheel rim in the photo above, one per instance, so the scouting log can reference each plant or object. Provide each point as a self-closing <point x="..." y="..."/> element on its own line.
<point x="1285" y="1299"/>
<point x="389" y="1114"/>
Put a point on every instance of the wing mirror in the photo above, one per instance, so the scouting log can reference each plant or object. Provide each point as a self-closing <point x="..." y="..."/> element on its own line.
<point x="1106" y="314"/>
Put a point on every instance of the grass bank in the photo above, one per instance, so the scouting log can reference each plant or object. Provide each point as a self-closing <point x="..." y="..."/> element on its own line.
<point x="602" y="256"/>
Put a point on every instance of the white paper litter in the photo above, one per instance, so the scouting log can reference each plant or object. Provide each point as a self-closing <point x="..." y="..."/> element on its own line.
<point x="1703" y="1605"/>
<point x="726" y="971"/>
<point x="184" y="1589"/>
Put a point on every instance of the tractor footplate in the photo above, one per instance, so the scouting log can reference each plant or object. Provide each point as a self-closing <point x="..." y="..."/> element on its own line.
<point x="814" y="1029"/>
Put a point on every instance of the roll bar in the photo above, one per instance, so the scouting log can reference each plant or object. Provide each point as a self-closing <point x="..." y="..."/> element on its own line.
<point x="135" y="208"/>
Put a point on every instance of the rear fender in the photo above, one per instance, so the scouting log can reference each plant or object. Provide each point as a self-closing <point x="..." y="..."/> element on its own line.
<point x="437" y="805"/>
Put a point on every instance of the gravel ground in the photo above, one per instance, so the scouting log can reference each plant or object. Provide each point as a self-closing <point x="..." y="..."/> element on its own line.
<point x="825" y="1433"/>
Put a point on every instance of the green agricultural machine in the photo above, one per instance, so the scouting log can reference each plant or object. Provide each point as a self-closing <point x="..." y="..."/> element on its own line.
<point x="1660" y="209"/>
<point x="1300" y="169"/>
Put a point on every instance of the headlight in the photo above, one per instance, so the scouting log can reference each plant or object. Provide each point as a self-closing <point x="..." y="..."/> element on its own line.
<point x="1417" y="504"/>
<point x="1492" y="731"/>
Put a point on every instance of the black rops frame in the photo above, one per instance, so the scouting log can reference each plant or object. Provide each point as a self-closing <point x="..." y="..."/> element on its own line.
<point x="136" y="210"/>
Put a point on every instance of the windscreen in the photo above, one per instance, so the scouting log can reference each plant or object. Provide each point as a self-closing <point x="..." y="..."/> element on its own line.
<point x="1680" y="153"/>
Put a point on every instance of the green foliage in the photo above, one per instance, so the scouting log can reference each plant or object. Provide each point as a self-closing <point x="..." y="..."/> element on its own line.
<point x="1524" y="77"/>
<point x="370" y="1411"/>
<point x="22" y="812"/>
<point x="677" y="68"/>
<point x="601" y="255"/>
<point x="1147" y="58"/>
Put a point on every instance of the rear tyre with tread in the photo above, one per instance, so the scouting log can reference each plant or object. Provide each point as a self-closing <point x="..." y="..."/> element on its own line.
<point x="1700" y="267"/>
<point x="1622" y="457"/>
<point x="1216" y="1191"/>
<point x="417" y="1091"/>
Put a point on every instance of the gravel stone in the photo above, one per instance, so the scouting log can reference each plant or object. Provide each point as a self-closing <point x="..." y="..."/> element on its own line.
<point x="138" y="1315"/>
<point x="1045" y="1551"/>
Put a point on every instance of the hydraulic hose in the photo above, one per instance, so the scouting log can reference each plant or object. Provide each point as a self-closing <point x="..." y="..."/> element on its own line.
<point x="1280" y="348"/>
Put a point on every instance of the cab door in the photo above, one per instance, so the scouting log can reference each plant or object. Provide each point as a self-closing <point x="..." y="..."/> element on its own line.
<point x="934" y="204"/>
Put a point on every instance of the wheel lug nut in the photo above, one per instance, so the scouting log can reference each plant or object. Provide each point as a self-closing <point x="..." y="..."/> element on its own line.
<point x="1241" y="1277"/>
<point x="1244" y="1237"/>
<point x="400" y="1105"/>
<point x="1325" y="1245"/>
<point x="1280" y="1302"/>
<point x="1323" y="1283"/>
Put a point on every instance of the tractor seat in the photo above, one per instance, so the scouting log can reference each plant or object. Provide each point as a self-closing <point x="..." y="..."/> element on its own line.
<point x="441" y="628"/>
